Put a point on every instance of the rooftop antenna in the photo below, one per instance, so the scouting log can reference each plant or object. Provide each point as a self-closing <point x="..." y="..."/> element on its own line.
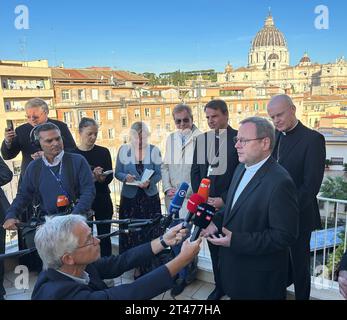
<point x="23" y="49"/>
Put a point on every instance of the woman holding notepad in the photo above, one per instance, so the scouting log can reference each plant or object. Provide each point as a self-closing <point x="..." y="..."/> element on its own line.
<point x="138" y="167"/>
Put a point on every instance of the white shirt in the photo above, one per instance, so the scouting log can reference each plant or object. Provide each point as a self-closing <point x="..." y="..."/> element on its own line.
<point x="56" y="160"/>
<point x="247" y="177"/>
<point x="84" y="279"/>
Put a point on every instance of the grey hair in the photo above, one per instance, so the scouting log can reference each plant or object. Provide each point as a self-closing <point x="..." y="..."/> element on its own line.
<point x="48" y="126"/>
<point x="180" y="108"/>
<point x="55" y="238"/>
<point x="86" y="122"/>
<point x="139" y="127"/>
<point x="264" y="127"/>
<point x="37" y="103"/>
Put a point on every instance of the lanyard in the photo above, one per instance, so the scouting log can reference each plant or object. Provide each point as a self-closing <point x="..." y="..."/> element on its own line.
<point x="58" y="178"/>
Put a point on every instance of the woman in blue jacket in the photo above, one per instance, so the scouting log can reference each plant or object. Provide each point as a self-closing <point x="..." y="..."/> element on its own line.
<point x="138" y="201"/>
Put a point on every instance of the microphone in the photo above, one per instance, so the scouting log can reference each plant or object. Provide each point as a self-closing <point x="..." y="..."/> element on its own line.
<point x="63" y="204"/>
<point x="176" y="204"/>
<point x="202" y="219"/>
<point x="177" y="200"/>
<point x="192" y="206"/>
<point x="204" y="188"/>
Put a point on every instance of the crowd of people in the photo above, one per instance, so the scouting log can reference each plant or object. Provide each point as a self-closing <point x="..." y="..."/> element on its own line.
<point x="263" y="182"/>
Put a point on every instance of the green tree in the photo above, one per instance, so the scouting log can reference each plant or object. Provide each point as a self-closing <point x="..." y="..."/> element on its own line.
<point x="334" y="188"/>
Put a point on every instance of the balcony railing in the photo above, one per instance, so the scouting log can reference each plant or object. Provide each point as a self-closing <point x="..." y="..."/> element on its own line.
<point x="327" y="245"/>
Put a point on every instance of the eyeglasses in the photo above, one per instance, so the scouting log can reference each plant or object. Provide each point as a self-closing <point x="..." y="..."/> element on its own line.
<point x="185" y="120"/>
<point x="91" y="241"/>
<point x="34" y="117"/>
<point x="243" y="142"/>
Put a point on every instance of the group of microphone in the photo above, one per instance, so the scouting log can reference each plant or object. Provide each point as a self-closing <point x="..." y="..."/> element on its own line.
<point x="200" y="213"/>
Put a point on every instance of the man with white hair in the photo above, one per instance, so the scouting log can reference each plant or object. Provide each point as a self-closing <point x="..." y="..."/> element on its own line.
<point x="301" y="151"/>
<point x="73" y="269"/>
<point x="18" y="140"/>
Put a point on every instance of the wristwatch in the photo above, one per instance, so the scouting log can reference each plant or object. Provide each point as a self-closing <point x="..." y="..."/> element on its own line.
<point x="163" y="243"/>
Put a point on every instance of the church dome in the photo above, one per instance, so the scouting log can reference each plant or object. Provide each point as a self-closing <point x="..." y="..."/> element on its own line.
<point x="269" y="36"/>
<point x="305" y="58"/>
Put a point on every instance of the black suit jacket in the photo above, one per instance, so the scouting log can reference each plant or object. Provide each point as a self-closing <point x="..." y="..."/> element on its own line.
<point x="204" y="155"/>
<point x="304" y="159"/>
<point x="264" y="223"/>
<point x="343" y="263"/>
<point x="21" y="143"/>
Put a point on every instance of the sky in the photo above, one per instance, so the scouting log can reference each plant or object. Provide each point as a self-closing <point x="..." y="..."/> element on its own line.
<point x="167" y="35"/>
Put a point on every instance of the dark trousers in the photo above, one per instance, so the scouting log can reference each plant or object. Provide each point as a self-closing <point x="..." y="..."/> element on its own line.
<point x="103" y="209"/>
<point x="2" y="250"/>
<point x="299" y="266"/>
<point x="214" y="251"/>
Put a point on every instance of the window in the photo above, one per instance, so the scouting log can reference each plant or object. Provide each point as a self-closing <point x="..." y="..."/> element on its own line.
<point x="99" y="134"/>
<point x="124" y="122"/>
<point x="95" y="94"/>
<point x="337" y="161"/>
<point x="7" y="106"/>
<point x="109" y="114"/>
<point x="96" y="115"/>
<point x="107" y="95"/>
<point x="137" y="113"/>
<point x="81" y="94"/>
<point x="67" y="118"/>
<point x="157" y="112"/>
<point x="65" y="95"/>
<point x="167" y="126"/>
<point x="158" y="127"/>
<point x="81" y="114"/>
<point x="147" y="112"/>
<point x="111" y="133"/>
<point x="167" y="111"/>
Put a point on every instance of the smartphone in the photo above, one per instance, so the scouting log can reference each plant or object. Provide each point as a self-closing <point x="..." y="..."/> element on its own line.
<point x="9" y="124"/>
<point x="106" y="173"/>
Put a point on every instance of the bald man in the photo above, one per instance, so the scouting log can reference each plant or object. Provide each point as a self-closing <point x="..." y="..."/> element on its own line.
<point x="301" y="151"/>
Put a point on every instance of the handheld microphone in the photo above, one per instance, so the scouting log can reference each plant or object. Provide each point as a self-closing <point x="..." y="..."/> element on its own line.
<point x="192" y="206"/>
<point x="202" y="219"/>
<point x="177" y="200"/>
<point x="204" y="188"/>
<point x="63" y="204"/>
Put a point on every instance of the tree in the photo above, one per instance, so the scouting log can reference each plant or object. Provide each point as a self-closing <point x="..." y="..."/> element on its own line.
<point x="327" y="163"/>
<point x="334" y="188"/>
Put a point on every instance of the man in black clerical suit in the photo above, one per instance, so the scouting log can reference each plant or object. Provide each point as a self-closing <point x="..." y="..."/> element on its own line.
<point x="260" y="219"/>
<point x="215" y="157"/>
<point x="343" y="276"/>
<point x="301" y="151"/>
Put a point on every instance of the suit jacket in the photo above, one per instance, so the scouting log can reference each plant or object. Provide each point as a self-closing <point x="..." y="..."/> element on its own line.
<point x="126" y="165"/>
<point x="53" y="285"/>
<point x="177" y="165"/>
<point x="264" y="223"/>
<point x="343" y="263"/>
<point x="21" y="143"/>
<point x="304" y="159"/>
<point x="5" y="177"/>
<point x="204" y="156"/>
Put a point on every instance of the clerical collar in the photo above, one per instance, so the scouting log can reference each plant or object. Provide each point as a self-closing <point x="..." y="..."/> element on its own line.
<point x="256" y="167"/>
<point x="56" y="160"/>
<point x="84" y="279"/>
<point x="292" y="130"/>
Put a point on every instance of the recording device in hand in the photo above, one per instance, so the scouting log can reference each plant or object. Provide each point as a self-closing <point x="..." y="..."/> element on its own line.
<point x="9" y="124"/>
<point x="192" y="206"/>
<point x="202" y="219"/>
<point x="204" y="188"/>
<point x="63" y="205"/>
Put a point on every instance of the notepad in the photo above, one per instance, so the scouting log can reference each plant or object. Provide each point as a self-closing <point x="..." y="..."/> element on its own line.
<point x="147" y="174"/>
